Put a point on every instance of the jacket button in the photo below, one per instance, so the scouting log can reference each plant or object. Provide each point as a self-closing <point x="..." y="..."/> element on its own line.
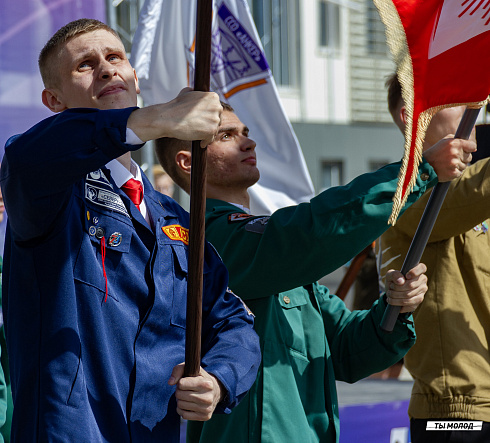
<point x="99" y="233"/>
<point x="286" y="299"/>
<point x="424" y="176"/>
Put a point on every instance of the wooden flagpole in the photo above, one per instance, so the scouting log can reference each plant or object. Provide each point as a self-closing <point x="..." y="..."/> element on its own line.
<point x="428" y="220"/>
<point x="198" y="199"/>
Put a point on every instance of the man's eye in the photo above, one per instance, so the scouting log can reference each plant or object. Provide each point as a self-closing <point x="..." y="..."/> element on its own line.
<point x="225" y="136"/>
<point x="83" y="65"/>
<point x="113" y="58"/>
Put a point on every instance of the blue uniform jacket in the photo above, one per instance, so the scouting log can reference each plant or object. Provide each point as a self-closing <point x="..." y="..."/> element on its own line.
<point x="95" y="300"/>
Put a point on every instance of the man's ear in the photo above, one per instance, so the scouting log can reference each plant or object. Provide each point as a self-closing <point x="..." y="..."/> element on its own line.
<point x="52" y="100"/>
<point x="403" y="115"/>
<point x="137" y="82"/>
<point x="184" y="161"/>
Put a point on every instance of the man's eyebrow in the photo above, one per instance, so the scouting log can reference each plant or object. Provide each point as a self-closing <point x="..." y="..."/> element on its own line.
<point x="233" y="129"/>
<point x="91" y="52"/>
<point x="227" y="129"/>
<point x="115" y="49"/>
<point x="83" y="55"/>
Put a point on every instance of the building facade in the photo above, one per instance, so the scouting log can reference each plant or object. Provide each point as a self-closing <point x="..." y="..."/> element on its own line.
<point x="330" y="61"/>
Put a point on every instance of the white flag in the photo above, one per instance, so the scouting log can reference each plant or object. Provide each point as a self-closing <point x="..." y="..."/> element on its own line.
<point x="163" y="56"/>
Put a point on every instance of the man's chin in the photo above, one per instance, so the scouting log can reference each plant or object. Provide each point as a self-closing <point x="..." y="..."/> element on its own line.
<point x="253" y="180"/>
<point x="115" y="103"/>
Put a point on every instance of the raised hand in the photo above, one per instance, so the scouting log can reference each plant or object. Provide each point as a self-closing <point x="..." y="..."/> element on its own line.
<point x="192" y="115"/>
<point x="449" y="157"/>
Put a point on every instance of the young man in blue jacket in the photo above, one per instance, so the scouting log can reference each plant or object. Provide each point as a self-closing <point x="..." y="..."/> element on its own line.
<point x="308" y="337"/>
<point x="96" y="263"/>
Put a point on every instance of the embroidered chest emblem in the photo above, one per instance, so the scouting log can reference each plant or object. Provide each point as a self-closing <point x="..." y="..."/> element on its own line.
<point x="99" y="191"/>
<point x="176" y="232"/>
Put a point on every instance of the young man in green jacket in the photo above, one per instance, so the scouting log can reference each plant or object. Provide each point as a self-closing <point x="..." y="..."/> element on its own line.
<point x="308" y="337"/>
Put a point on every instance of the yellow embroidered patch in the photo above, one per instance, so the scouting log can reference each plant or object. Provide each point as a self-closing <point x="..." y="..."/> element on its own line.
<point x="176" y="232"/>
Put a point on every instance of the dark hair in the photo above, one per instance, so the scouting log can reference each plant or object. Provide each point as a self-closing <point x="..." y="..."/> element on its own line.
<point x="166" y="149"/>
<point x="394" y="94"/>
<point x="55" y="43"/>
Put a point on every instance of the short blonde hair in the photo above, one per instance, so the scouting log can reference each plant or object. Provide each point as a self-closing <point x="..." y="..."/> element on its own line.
<point x="51" y="50"/>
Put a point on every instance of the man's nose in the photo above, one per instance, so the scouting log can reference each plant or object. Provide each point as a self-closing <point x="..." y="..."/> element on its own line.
<point x="107" y="70"/>
<point x="248" y="144"/>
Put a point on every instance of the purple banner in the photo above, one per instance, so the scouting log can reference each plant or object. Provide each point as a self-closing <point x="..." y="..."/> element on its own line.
<point x="25" y="26"/>
<point x="375" y="423"/>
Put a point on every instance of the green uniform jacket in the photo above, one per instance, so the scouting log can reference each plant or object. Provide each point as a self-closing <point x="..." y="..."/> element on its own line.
<point x="308" y="337"/>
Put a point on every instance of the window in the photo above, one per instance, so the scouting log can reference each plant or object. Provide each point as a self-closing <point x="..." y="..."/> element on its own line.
<point x="277" y="23"/>
<point x="329" y="25"/>
<point x="375" y="38"/>
<point x="331" y="174"/>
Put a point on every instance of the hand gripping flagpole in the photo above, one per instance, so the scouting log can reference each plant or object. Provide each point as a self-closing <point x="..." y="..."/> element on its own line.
<point x="198" y="199"/>
<point x="428" y="219"/>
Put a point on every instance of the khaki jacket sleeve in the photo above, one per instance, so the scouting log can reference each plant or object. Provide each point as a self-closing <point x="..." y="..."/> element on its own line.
<point x="467" y="203"/>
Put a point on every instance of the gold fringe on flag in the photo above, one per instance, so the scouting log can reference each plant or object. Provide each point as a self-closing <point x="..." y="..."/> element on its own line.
<point x="397" y="43"/>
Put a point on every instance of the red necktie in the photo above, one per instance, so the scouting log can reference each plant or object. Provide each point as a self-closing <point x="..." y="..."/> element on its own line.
<point x="134" y="190"/>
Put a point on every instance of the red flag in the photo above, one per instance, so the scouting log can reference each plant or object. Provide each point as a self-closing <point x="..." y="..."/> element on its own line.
<point x="442" y="52"/>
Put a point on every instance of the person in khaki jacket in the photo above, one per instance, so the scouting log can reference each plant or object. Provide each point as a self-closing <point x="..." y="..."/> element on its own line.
<point x="450" y="362"/>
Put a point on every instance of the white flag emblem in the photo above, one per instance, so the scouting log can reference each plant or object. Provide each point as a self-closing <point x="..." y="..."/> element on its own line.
<point x="458" y="22"/>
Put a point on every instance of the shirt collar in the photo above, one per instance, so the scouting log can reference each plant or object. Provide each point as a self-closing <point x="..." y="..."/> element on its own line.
<point x="121" y="175"/>
<point x="243" y="208"/>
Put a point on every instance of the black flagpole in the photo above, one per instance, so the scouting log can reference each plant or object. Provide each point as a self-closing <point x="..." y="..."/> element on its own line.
<point x="428" y="219"/>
